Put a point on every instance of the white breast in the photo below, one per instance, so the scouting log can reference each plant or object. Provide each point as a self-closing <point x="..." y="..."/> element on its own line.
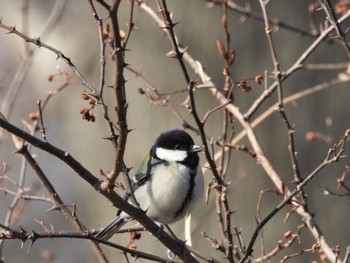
<point x="164" y="195"/>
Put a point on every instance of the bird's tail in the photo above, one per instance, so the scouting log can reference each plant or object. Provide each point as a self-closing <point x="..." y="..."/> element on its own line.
<point x="111" y="229"/>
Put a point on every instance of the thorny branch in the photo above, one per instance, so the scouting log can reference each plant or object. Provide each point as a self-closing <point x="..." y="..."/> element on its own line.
<point x="334" y="155"/>
<point x="178" y="53"/>
<point x="39" y="43"/>
<point x="116" y="200"/>
<point x="244" y="119"/>
<point x="32" y="237"/>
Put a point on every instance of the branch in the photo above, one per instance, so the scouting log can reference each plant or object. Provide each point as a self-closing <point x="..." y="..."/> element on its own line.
<point x="337" y="151"/>
<point x="23" y="235"/>
<point x="119" y="87"/>
<point x="139" y="215"/>
<point x="297" y="65"/>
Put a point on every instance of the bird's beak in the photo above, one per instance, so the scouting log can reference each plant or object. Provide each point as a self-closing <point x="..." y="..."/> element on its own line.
<point x="197" y="148"/>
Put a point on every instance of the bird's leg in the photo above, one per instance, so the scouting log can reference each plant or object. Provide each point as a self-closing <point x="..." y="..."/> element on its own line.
<point x="160" y="230"/>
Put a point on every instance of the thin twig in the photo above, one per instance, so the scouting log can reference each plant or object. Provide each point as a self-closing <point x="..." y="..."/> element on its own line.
<point x="39" y="43"/>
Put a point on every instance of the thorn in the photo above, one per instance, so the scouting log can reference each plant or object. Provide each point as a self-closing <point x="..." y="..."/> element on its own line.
<point x="22" y="230"/>
<point x="171" y="54"/>
<point x="11" y="30"/>
<point x="128" y="169"/>
<point x="109" y="138"/>
<point x="183" y="49"/>
<point x="174" y="24"/>
<point x="53" y="208"/>
<point x="30" y="245"/>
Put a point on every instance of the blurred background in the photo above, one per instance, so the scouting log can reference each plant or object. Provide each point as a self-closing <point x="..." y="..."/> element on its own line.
<point x="325" y="114"/>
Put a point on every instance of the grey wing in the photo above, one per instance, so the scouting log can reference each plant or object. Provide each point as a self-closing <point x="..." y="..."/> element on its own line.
<point x="110" y="230"/>
<point x="144" y="172"/>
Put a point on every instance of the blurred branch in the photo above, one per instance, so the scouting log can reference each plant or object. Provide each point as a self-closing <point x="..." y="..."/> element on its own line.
<point x="327" y="7"/>
<point x="334" y="155"/>
<point x="39" y="43"/>
<point x="25" y="64"/>
<point x="280" y="105"/>
<point x="275" y="22"/>
<point x="297" y="65"/>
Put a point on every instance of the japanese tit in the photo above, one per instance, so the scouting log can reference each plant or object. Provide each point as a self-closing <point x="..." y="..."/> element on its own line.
<point x="168" y="183"/>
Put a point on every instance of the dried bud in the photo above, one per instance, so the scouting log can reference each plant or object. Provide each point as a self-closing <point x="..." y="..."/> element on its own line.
<point x="310" y="136"/>
<point x="221" y="48"/>
<point x="86" y="116"/>
<point x="84" y="96"/>
<point x="226" y="72"/>
<point x="106" y="32"/>
<point x="92" y="102"/>
<point x="336" y="249"/>
<point x="243" y="86"/>
<point x="287" y="234"/>
<point x="224" y="21"/>
<point x="49" y="77"/>
<point x="47" y="255"/>
<point x="258" y="79"/>
<point x="315" y="248"/>
<point x="33" y="116"/>
<point x="141" y="91"/>
<point x="323" y="258"/>
<point x="84" y="110"/>
<point x="132" y="247"/>
<point x="232" y="57"/>
<point x="134" y="235"/>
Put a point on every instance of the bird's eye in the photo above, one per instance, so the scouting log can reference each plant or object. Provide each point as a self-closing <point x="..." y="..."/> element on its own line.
<point x="177" y="147"/>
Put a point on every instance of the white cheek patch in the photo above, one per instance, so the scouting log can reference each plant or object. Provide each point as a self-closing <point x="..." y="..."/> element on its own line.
<point x="171" y="155"/>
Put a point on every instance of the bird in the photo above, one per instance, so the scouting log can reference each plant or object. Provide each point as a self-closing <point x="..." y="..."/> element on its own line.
<point x="168" y="184"/>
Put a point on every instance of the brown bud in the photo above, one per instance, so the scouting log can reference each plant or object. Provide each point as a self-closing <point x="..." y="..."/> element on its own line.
<point x="310" y="136"/>
<point x="33" y="116"/>
<point x="134" y="235"/>
<point x="84" y="96"/>
<point x="221" y="48"/>
<point x="141" y="91"/>
<point x="49" y="77"/>
<point x="315" y="248"/>
<point x="92" y="102"/>
<point x="106" y="32"/>
<point x="224" y="21"/>
<point x="226" y="72"/>
<point x="336" y="249"/>
<point x="243" y="86"/>
<point x="287" y="234"/>
<point x="232" y="57"/>
<point x="258" y="79"/>
<point x="132" y="247"/>
<point x="323" y="258"/>
<point x="84" y="110"/>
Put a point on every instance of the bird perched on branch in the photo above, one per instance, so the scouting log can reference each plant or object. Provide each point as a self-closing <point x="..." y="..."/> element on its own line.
<point x="168" y="183"/>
